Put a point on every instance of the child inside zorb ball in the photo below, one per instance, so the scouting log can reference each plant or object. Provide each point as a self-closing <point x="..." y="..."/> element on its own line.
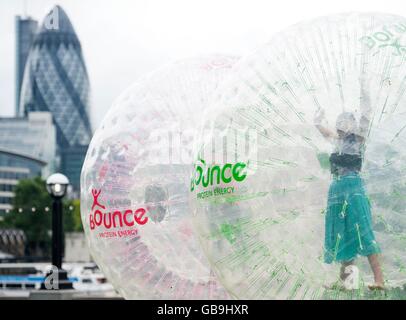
<point x="348" y="224"/>
<point x="325" y="189"/>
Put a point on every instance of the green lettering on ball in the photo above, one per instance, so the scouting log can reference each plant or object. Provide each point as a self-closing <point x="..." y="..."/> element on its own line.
<point x="210" y="176"/>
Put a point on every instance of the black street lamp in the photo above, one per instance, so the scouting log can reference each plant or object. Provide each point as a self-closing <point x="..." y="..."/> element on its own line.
<point x="57" y="186"/>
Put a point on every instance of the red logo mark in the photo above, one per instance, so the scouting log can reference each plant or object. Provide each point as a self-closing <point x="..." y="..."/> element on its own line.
<point x="96" y="203"/>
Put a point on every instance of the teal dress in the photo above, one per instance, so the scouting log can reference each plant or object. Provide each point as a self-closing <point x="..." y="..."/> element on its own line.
<point x="348" y="225"/>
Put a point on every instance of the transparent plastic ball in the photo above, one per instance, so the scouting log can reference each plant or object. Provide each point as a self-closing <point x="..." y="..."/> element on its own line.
<point x="299" y="184"/>
<point x="135" y="179"/>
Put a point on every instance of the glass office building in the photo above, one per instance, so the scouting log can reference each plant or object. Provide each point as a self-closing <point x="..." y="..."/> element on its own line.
<point x="56" y="80"/>
<point x="73" y="158"/>
<point x="27" y="150"/>
<point x="13" y="168"/>
<point x="33" y="136"/>
<point x="26" y="29"/>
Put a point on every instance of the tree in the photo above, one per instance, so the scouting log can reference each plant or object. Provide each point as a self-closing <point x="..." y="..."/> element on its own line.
<point x="75" y="216"/>
<point x="36" y="224"/>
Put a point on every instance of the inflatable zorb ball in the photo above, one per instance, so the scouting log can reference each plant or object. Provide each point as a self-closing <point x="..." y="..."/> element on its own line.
<point x="302" y="165"/>
<point x="135" y="182"/>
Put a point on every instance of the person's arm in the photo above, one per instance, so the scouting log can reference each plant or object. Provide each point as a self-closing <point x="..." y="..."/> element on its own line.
<point x="365" y="108"/>
<point x="324" y="130"/>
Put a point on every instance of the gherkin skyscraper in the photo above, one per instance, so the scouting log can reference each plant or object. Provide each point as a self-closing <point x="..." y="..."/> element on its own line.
<point x="56" y="80"/>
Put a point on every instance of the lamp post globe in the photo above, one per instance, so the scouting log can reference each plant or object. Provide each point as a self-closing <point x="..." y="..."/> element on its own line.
<point x="57" y="185"/>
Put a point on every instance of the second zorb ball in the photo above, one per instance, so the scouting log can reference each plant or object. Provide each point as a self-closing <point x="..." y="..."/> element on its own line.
<point x="135" y="184"/>
<point x="300" y="181"/>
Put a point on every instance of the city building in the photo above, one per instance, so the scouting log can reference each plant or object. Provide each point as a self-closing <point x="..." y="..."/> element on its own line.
<point x="26" y="29"/>
<point x="13" y="168"/>
<point x="27" y="150"/>
<point x="73" y="158"/>
<point x="33" y="136"/>
<point x="12" y="243"/>
<point x="56" y="80"/>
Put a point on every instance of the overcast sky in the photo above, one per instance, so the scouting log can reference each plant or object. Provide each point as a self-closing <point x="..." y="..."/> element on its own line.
<point x="124" y="39"/>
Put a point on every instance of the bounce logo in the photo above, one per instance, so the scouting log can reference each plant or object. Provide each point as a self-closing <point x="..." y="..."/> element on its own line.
<point x="218" y="174"/>
<point x="388" y="36"/>
<point x="116" y="219"/>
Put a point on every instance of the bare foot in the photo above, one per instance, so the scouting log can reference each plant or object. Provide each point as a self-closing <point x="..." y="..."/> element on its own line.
<point x="376" y="287"/>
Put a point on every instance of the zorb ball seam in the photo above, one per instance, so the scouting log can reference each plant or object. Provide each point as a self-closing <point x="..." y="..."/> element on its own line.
<point x="315" y="120"/>
<point x="135" y="181"/>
